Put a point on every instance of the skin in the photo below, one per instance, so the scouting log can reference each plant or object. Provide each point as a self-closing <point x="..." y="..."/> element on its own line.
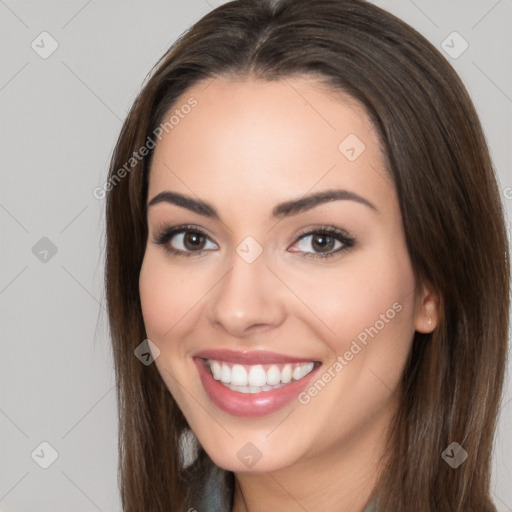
<point x="247" y="146"/>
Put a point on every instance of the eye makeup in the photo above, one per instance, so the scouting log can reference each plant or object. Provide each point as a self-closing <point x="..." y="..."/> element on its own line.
<point x="196" y="238"/>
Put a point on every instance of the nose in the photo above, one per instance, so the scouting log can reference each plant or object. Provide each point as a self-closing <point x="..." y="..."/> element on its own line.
<point x="247" y="300"/>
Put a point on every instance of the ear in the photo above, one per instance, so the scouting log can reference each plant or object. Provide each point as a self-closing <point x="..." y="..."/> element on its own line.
<point x="426" y="315"/>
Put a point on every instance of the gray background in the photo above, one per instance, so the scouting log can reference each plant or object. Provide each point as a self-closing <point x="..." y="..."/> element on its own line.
<point x="60" y="118"/>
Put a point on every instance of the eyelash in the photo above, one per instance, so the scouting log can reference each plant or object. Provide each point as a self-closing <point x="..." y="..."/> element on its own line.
<point x="167" y="233"/>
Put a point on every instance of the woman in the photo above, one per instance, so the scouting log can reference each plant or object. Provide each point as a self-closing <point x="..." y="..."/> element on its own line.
<point x="307" y="254"/>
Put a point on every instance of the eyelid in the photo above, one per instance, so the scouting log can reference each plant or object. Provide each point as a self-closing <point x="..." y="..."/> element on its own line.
<point x="323" y="229"/>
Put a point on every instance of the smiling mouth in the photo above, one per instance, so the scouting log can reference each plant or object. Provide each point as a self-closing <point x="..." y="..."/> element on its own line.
<point x="259" y="377"/>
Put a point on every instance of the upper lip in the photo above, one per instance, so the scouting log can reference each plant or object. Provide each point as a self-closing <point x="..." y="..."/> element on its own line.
<point x="249" y="357"/>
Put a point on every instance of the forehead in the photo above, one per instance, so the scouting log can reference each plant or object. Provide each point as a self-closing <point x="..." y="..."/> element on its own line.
<point x="266" y="139"/>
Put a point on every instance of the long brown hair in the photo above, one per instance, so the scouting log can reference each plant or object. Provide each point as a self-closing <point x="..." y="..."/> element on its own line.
<point x="452" y="216"/>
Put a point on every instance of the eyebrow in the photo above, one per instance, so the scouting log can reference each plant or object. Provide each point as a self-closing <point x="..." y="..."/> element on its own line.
<point x="286" y="209"/>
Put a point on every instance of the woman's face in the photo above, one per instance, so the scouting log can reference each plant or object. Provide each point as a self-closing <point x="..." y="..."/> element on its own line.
<point x="272" y="278"/>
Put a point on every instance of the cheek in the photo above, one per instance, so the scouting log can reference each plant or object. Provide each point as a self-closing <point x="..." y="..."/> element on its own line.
<point x="368" y="298"/>
<point x="369" y="308"/>
<point x="167" y="294"/>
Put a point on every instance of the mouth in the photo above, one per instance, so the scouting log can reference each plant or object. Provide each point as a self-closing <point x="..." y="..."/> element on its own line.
<point x="257" y="378"/>
<point x="253" y="383"/>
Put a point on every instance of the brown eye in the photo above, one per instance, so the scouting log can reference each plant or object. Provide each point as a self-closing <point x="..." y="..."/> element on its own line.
<point x="194" y="241"/>
<point x="319" y="242"/>
<point x="185" y="241"/>
<point x="324" y="242"/>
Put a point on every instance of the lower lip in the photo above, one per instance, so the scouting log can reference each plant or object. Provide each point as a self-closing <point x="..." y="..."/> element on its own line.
<point x="250" y="404"/>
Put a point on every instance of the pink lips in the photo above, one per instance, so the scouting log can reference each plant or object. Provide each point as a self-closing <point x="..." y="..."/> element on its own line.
<point x="249" y="404"/>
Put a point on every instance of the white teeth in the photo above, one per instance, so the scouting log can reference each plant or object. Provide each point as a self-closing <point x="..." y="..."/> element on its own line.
<point x="257" y="376"/>
<point x="225" y="376"/>
<point x="253" y="379"/>
<point x="302" y="371"/>
<point x="297" y="373"/>
<point x="273" y="376"/>
<point x="238" y="375"/>
<point x="216" y="370"/>
<point x="308" y="368"/>
<point x="252" y="389"/>
<point x="286" y="374"/>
